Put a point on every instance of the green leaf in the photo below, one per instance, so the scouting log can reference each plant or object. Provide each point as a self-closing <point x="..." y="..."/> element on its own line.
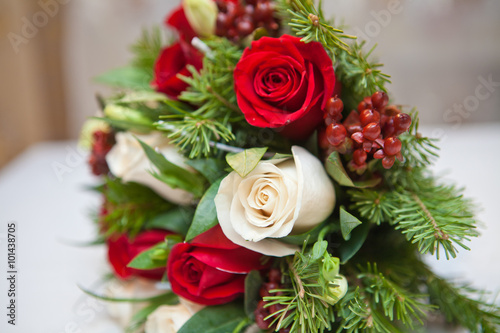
<point x="311" y="236"/>
<point x="128" y="125"/>
<point x="155" y="257"/>
<point x="253" y="282"/>
<point x="347" y="223"/>
<point x="127" y="77"/>
<point x="167" y="298"/>
<point x="212" y="169"/>
<point x="205" y="216"/>
<point x="349" y="248"/>
<point x="215" y="319"/>
<point x="243" y="163"/>
<point x="141" y="97"/>
<point x="177" y="220"/>
<point x="336" y="169"/>
<point x="173" y="175"/>
<point x="319" y="249"/>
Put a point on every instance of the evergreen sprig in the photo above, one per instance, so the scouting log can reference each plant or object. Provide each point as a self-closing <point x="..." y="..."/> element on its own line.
<point x="378" y="304"/>
<point x="147" y="49"/>
<point x="376" y="206"/>
<point x="129" y="206"/>
<point x="212" y="93"/>
<point x="434" y="216"/>
<point x="306" y="306"/>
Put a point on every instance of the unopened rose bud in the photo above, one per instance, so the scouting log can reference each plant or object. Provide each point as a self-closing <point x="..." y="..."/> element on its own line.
<point x="202" y="16"/>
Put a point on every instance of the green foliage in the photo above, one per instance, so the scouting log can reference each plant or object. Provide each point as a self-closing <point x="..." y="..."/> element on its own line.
<point x="172" y="174"/>
<point x="205" y="216"/>
<point x="147" y="49"/>
<point x="306" y="301"/>
<point x="126" y="78"/>
<point x="336" y="170"/>
<point x="212" y="92"/>
<point x="376" y="206"/>
<point x="348" y="223"/>
<point x="434" y="216"/>
<point x="130" y="206"/>
<point x="464" y="305"/>
<point x="253" y="283"/>
<point x="244" y="163"/>
<point x="156" y="256"/>
<point x="418" y="151"/>
<point x="177" y="219"/>
<point x="217" y="319"/>
<point x="379" y="305"/>
<point x="307" y="21"/>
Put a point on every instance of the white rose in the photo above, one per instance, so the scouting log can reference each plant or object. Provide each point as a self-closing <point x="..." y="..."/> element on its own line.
<point x="128" y="161"/>
<point x="123" y="312"/>
<point x="170" y="318"/>
<point x="276" y="199"/>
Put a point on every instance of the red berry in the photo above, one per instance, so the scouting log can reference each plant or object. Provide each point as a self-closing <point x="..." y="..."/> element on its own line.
<point x="366" y="103"/>
<point x="263" y="11"/>
<point x="359" y="157"/>
<point x="391" y="110"/>
<point x="371" y="131"/>
<point x="369" y="116"/>
<point x="322" y="140"/>
<point x="275" y="275"/>
<point x="358" y="137"/>
<point x="389" y="127"/>
<point x="388" y="161"/>
<point x="402" y="122"/>
<point x="336" y="134"/>
<point x="245" y="26"/>
<point x="392" y="146"/>
<point x="380" y="100"/>
<point x="334" y="107"/>
<point x="379" y="154"/>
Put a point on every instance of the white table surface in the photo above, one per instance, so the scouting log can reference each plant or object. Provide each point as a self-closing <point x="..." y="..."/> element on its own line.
<point x="51" y="210"/>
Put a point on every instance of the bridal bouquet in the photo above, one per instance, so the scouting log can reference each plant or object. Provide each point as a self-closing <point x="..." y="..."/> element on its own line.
<point x="256" y="167"/>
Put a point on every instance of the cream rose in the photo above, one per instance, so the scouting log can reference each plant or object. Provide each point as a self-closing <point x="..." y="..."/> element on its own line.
<point x="128" y="161"/>
<point x="170" y="318"/>
<point x="278" y="198"/>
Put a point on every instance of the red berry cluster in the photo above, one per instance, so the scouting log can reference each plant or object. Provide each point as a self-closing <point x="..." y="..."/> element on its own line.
<point x="274" y="278"/>
<point x="101" y="145"/>
<point x="238" y="19"/>
<point x="371" y="130"/>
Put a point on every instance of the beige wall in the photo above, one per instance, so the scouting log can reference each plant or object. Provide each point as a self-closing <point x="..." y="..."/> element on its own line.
<point x="435" y="51"/>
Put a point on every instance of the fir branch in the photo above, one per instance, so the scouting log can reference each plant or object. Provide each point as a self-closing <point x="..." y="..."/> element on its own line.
<point x="378" y="303"/>
<point x="147" y="49"/>
<point x="417" y="150"/>
<point x="457" y="305"/>
<point x="307" y="21"/>
<point x="376" y="206"/>
<point x="306" y="306"/>
<point x="434" y="216"/>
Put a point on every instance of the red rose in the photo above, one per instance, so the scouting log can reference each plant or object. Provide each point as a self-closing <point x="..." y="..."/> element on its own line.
<point x="284" y="82"/>
<point x="211" y="269"/>
<point x="121" y="250"/>
<point x="178" y="20"/>
<point x="172" y="62"/>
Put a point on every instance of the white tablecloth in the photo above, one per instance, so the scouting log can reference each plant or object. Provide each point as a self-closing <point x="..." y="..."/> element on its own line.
<point x="43" y="190"/>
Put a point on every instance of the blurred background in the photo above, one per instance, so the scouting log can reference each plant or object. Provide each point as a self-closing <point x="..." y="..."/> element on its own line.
<point x="441" y="55"/>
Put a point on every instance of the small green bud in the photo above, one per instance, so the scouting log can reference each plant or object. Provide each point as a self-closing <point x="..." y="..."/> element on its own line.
<point x="202" y="16"/>
<point x="338" y="289"/>
<point x="331" y="266"/>
<point x="89" y="127"/>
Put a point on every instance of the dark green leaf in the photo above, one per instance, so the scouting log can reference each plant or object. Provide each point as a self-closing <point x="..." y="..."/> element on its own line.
<point x="127" y="77"/>
<point x="336" y="169"/>
<point x="205" y="216"/>
<point x="215" y="319"/>
<point x="173" y="175"/>
<point x="347" y="223"/>
<point x="177" y="220"/>
<point x="243" y="163"/>
<point x="253" y="282"/>
<point x="349" y="248"/>
<point x="211" y="168"/>
<point x="311" y="236"/>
